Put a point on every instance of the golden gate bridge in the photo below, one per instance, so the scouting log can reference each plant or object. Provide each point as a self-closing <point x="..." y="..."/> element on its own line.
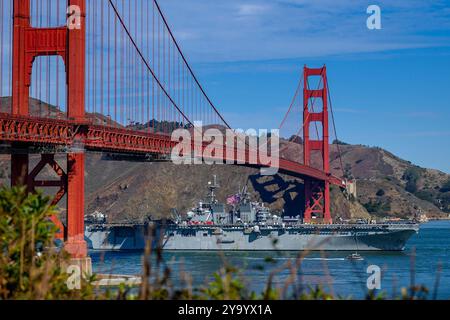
<point x="109" y="76"/>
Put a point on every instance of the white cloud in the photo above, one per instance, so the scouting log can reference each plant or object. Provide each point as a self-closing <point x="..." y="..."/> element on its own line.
<point x="251" y="9"/>
<point x="238" y="30"/>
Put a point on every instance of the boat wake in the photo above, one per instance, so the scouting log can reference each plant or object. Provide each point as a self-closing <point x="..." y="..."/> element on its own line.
<point x="325" y="259"/>
<point x="293" y="258"/>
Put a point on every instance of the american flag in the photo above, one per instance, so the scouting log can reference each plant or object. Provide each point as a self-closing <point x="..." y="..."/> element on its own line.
<point x="234" y="199"/>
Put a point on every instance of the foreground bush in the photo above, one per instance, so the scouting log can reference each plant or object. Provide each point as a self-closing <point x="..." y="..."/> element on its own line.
<point x="30" y="264"/>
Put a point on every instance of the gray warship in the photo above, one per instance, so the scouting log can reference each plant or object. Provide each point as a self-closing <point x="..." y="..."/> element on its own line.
<point x="248" y="226"/>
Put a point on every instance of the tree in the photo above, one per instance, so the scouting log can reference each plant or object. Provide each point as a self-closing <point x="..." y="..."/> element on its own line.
<point x="296" y="139"/>
<point x="377" y="207"/>
<point x="337" y="141"/>
<point x="380" y="193"/>
<point x="445" y="187"/>
<point x="411" y="187"/>
<point x="348" y="171"/>
<point x="425" y="195"/>
<point x="412" y="176"/>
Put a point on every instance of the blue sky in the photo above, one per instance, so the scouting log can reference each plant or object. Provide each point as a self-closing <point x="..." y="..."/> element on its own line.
<point x="390" y="87"/>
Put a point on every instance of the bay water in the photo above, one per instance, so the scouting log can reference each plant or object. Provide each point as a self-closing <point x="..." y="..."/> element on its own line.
<point x="425" y="261"/>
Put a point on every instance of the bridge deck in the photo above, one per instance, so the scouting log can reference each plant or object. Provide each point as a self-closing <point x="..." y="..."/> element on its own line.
<point x="41" y="131"/>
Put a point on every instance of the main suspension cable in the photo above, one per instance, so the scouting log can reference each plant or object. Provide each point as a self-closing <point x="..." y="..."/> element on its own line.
<point x="335" y="131"/>
<point x="146" y="62"/>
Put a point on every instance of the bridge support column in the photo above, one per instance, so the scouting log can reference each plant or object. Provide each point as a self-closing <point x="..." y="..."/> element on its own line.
<point x="326" y="199"/>
<point x="70" y="44"/>
<point x="70" y="183"/>
<point x="76" y="44"/>
<point x="317" y="200"/>
<point x="21" y="58"/>
<point x="19" y="166"/>
<point x="75" y="244"/>
<point x="307" y="215"/>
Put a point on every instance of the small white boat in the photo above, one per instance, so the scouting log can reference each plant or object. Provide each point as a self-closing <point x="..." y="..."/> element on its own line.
<point x="355" y="256"/>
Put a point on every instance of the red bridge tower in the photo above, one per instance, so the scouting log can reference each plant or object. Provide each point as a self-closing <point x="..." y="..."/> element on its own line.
<point x="29" y="43"/>
<point x="317" y="193"/>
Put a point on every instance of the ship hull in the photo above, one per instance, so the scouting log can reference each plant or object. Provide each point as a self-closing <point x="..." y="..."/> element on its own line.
<point x="115" y="237"/>
<point x="306" y="237"/>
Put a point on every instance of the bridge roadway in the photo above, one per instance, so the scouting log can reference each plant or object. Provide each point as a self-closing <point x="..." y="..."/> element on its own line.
<point x="54" y="132"/>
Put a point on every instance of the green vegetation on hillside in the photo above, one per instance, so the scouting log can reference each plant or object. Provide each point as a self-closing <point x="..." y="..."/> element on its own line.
<point x="444" y="201"/>
<point x="425" y="195"/>
<point x="342" y="143"/>
<point x="445" y="187"/>
<point x="412" y="176"/>
<point x="377" y="207"/>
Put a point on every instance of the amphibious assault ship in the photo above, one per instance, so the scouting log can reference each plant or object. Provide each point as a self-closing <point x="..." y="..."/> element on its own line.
<point x="246" y="226"/>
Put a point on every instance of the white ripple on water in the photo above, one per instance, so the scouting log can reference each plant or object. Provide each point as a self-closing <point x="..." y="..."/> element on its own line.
<point x="326" y="259"/>
<point x="286" y="258"/>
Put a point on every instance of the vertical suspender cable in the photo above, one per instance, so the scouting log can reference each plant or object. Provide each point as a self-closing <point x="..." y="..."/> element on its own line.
<point x="335" y="131"/>
<point x="89" y="32"/>
<point x="40" y="63"/>
<point x="170" y="110"/>
<point x="122" y="72"/>
<point x="130" y="78"/>
<point x="135" y="76"/>
<point x="153" y="63"/>
<point x="139" y="74"/>
<point x="183" y="92"/>
<point x="142" y="67"/>
<point x="34" y="76"/>
<point x="1" y="54"/>
<point x="127" y="65"/>
<point x="11" y="49"/>
<point x="108" y="70"/>
<point x="168" y="81"/>
<point x="159" y="76"/>
<point x="48" y="64"/>
<point x="94" y="57"/>
<point x="115" y="72"/>
<point x="179" y="87"/>
<point x="88" y="58"/>
<point x="174" y="85"/>
<point x="133" y="67"/>
<point x="147" y="11"/>
<point x="102" y="45"/>
<point x="164" y="79"/>
<point x="128" y="84"/>
<point x="58" y="105"/>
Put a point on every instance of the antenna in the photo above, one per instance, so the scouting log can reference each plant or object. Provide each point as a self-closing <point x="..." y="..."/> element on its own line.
<point x="212" y="187"/>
